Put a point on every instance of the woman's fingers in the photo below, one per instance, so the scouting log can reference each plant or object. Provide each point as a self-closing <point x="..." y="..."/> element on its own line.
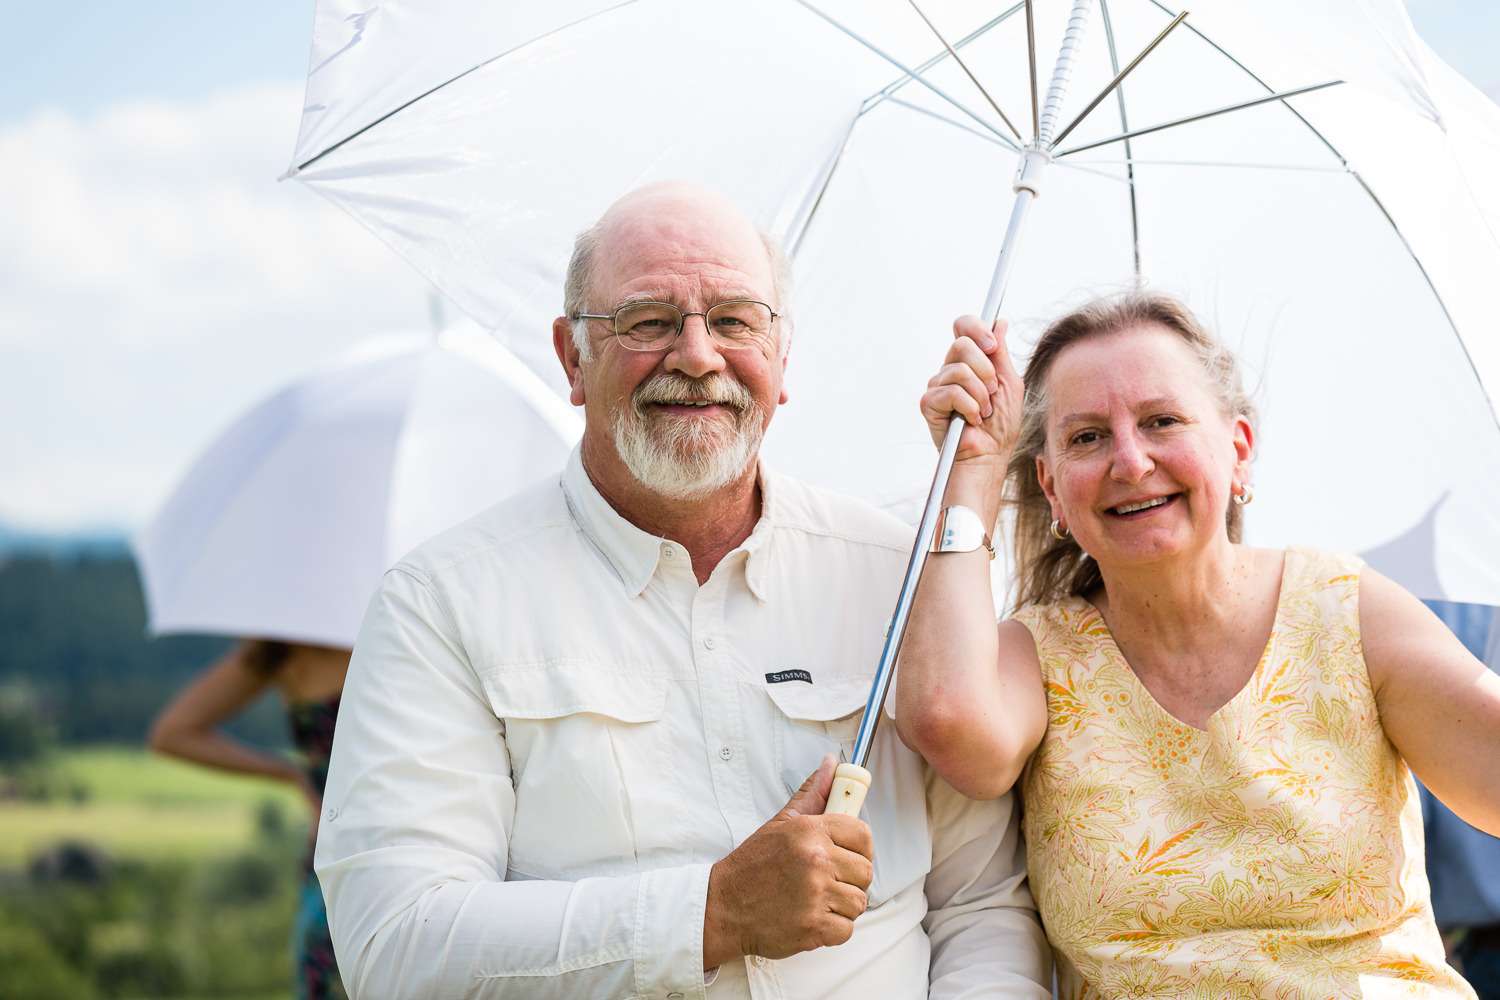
<point x="979" y="382"/>
<point x="1005" y="369"/>
<point x="940" y="403"/>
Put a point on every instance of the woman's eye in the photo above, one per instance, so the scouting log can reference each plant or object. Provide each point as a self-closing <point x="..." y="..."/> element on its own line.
<point x="1164" y="420"/>
<point x="1084" y="437"/>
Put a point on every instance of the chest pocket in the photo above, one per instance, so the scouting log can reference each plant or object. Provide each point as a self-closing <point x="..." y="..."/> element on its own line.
<point x="591" y="762"/>
<point x="812" y="721"/>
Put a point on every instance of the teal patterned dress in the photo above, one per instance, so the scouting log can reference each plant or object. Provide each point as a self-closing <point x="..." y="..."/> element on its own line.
<point x="317" y="974"/>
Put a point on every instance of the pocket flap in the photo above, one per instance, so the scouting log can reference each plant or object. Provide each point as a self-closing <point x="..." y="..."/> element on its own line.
<point x="819" y="703"/>
<point x="571" y="687"/>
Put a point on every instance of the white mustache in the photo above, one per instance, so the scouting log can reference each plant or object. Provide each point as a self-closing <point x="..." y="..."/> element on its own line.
<point x="673" y="387"/>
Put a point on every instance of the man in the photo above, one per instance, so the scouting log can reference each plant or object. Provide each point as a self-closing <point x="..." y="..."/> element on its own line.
<point x="572" y="723"/>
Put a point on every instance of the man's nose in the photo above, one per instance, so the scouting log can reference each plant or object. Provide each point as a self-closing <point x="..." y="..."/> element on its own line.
<point x="694" y="352"/>
<point x="1130" y="461"/>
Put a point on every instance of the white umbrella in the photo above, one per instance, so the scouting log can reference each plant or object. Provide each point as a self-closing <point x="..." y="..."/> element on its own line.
<point x="283" y="527"/>
<point x="1342" y="239"/>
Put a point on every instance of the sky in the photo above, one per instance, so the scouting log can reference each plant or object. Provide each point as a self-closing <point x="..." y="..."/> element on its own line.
<point x="156" y="280"/>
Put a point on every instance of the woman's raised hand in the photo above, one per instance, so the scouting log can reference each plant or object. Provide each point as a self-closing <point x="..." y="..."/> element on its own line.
<point x="980" y="384"/>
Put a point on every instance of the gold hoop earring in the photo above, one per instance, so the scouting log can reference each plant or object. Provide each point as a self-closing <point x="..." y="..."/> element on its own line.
<point x="1060" y="533"/>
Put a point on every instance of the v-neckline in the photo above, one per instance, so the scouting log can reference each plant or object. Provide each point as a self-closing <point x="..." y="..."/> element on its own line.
<point x="1266" y="654"/>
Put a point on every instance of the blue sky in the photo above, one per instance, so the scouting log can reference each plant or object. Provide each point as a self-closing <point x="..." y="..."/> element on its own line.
<point x="156" y="280"/>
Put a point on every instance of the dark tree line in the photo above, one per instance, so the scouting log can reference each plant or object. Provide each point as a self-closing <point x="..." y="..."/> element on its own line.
<point x="75" y="660"/>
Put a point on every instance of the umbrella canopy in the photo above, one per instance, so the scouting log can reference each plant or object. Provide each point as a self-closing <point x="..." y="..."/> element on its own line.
<point x="283" y="527"/>
<point x="1343" y="239"/>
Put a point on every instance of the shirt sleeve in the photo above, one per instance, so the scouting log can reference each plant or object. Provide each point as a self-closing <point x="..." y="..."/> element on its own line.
<point x="987" y="940"/>
<point x="413" y="844"/>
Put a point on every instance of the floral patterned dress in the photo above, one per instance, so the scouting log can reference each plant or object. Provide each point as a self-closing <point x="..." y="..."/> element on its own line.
<point x="1278" y="854"/>
<point x="317" y="973"/>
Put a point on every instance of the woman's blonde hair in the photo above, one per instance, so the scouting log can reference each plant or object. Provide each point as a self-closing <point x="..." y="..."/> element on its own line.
<point x="1047" y="569"/>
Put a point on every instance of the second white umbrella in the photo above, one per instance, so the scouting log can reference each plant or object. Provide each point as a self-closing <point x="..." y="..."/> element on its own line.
<point x="284" y="526"/>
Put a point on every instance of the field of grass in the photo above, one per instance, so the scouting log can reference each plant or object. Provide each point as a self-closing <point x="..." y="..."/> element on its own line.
<point x="139" y="805"/>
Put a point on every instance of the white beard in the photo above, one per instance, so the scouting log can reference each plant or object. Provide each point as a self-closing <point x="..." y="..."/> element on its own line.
<point x="686" y="458"/>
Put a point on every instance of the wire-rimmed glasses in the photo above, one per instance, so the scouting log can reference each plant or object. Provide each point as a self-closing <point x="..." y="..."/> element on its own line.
<point x="652" y="326"/>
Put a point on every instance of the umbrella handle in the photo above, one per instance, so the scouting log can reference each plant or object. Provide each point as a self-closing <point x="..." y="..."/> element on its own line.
<point x="850" y="783"/>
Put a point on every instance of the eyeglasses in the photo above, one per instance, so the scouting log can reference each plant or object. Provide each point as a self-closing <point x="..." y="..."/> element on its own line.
<point x="652" y="326"/>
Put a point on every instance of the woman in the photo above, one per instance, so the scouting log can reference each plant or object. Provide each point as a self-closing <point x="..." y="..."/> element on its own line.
<point x="311" y="679"/>
<point x="1212" y="739"/>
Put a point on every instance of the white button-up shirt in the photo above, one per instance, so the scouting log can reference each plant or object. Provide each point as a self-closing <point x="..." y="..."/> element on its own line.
<point x="550" y="732"/>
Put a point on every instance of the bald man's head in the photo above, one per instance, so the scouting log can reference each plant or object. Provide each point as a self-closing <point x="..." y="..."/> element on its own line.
<point x="656" y="210"/>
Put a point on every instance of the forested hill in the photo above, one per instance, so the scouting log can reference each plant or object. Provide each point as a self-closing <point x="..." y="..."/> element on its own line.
<point x="74" y="649"/>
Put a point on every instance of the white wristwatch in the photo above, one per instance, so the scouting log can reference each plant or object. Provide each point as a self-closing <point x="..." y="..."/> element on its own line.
<point x="959" y="529"/>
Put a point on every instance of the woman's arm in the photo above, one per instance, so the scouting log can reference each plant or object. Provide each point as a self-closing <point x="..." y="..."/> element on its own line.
<point x="969" y="695"/>
<point x="188" y="726"/>
<point x="1439" y="705"/>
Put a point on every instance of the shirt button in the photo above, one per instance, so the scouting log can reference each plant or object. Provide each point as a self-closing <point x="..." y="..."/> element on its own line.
<point x="708" y="642"/>
<point x="674" y="996"/>
<point x="725" y="753"/>
<point x="331" y="814"/>
<point x="669" y="553"/>
<point x="760" y="960"/>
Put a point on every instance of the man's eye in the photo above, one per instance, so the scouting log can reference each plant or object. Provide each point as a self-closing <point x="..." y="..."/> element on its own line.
<point x="650" y="325"/>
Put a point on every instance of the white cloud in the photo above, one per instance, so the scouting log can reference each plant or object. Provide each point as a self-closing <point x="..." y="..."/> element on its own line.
<point x="155" y="282"/>
<point x="155" y="220"/>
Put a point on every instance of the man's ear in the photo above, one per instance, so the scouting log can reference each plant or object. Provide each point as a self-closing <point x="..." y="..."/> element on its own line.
<point x="567" y="353"/>
<point x="786" y="351"/>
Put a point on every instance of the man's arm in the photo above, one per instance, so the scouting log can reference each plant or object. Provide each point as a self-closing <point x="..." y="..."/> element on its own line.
<point x="987" y="940"/>
<point x="412" y="848"/>
<point x="414" y="842"/>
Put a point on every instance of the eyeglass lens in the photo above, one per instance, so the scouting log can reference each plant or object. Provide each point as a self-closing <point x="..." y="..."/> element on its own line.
<point x="647" y="326"/>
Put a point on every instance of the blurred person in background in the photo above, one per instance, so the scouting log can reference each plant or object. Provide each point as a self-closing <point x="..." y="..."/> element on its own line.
<point x="311" y="681"/>
<point x="1463" y="864"/>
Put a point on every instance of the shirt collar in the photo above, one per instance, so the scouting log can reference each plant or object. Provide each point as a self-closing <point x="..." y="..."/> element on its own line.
<point x="635" y="554"/>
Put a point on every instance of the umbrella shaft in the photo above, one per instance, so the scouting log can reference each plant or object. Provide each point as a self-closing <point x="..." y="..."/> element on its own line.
<point x="1018" y="213"/>
<point x="928" y="526"/>
<point x="887" y="668"/>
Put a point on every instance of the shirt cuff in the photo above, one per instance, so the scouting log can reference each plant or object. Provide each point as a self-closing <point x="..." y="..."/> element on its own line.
<point x="669" y="913"/>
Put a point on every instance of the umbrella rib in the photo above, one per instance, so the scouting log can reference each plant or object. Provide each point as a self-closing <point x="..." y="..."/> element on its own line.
<point x="967" y="72"/>
<point x="1036" y="112"/>
<point x="1199" y="117"/>
<point x="427" y="93"/>
<point x="933" y="60"/>
<point x="1452" y="326"/>
<point x="986" y="135"/>
<point x="1216" y="163"/>
<point x="806" y="223"/>
<point x="1114" y="65"/>
<point x="1118" y="77"/>
<point x="1252" y="75"/>
<point x="906" y="71"/>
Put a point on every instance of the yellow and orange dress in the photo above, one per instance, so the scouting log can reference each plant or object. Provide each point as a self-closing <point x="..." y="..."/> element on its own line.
<point x="1278" y="854"/>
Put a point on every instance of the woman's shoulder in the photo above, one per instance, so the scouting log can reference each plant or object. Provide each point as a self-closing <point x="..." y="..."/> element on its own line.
<point x="1071" y="615"/>
<point x="1311" y="560"/>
